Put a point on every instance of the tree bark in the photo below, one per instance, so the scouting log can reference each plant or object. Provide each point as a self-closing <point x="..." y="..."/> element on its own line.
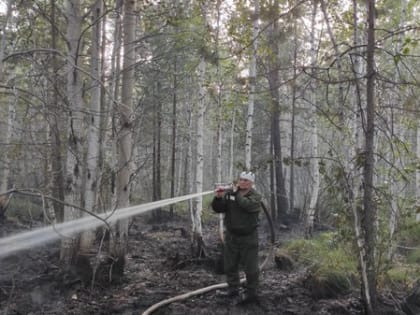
<point x="252" y="86"/>
<point x="55" y="119"/>
<point x="198" y="243"/>
<point x="273" y="80"/>
<point x="74" y="168"/>
<point x="87" y="238"/>
<point x="124" y="135"/>
<point x="174" y="134"/>
<point x="370" y="216"/>
<point x="157" y="127"/>
<point x="310" y="215"/>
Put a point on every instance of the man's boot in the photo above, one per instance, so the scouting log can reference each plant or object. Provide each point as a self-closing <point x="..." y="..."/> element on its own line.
<point x="231" y="292"/>
<point x="250" y="296"/>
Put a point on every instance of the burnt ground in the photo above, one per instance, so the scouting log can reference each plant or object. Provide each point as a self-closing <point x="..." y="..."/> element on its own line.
<point x="160" y="266"/>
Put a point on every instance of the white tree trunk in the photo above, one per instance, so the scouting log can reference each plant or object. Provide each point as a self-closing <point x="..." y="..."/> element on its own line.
<point x="74" y="169"/>
<point x="393" y="183"/>
<point x="3" y="37"/>
<point x="124" y="136"/>
<point x="198" y="202"/>
<point x="115" y="84"/>
<point x="310" y="217"/>
<point x="252" y="86"/>
<point x="232" y="146"/>
<point x="87" y="237"/>
<point x="219" y="131"/>
<point x="11" y="110"/>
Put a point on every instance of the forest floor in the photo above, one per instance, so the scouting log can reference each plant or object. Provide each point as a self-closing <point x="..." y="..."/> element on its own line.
<point x="160" y="266"/>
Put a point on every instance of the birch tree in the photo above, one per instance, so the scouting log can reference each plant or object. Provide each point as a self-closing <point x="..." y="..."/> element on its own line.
<point x="310" y="216"/>
<point x="114" y="100"/>
<point x="74" y="167"/>
<point x="124" y="135"/>
<point x="252" y="85"/>
<point x="396" y="133"/>
<point x="273" y="80"/>
<point x="198" y="202"/>
<point x="11" y="113"/>
<point x="370" y="216"/>
<point x="55" y="119"/>
<point x="87" y="238"/>
<point x="219" y="127"/>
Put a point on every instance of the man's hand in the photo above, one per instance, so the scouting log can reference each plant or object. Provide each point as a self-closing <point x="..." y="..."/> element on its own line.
<point x="219" y="192"/>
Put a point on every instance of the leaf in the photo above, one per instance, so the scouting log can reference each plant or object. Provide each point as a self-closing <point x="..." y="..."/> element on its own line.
<point x="406" y="50"/>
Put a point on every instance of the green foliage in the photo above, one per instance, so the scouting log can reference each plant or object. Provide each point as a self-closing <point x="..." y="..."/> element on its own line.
<point x="410" y="233"/>
<point x="401" y="277"/>
<point x="332" y="267"/>
<point x="324" y="254"/>
<point x="414" y="257"/>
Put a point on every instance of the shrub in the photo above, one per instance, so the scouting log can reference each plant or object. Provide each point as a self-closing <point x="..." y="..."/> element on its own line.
<point x="400" y="277"/>
<point x="332" y="269"/>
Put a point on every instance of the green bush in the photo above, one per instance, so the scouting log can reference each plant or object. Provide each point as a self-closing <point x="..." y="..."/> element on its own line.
<point x="402" y="276"/>
<point x="331" y="267"/>
<point x="414" y="257"/>
<point x="410" y="233"/>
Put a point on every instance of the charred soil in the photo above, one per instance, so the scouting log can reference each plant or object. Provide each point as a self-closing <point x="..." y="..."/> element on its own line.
<point x="160" y="265"/>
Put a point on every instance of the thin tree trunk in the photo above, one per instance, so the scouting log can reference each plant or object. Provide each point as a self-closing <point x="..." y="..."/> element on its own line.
<point x="310" y="216"/>
<point x="393" y="182"/>
<point x="3" y="37"/>
<point x="273" y="80"/>
<point x="292" y="127"/>
<point x="337" y="56"/>
<point x="114" y="101"/>
<point x="124" y="136"/>
<point x="198" y="243"/>
<point x="55" y="119"/>
<point x="370" y="217"/>
<point x="252" y="86"/>
<point x="74" y="168"/>
<point x="88" y="237"/>
<point x="174" y="135"/>
<point x="219" y="133"/>
<point x="198" y="202"/>
<point x="232" y="142"/>
<point x="4" y="183"/>
<point x="157" y="126"/>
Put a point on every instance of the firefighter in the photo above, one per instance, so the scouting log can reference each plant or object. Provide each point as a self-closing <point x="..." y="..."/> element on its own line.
<point x="241" y="206"/>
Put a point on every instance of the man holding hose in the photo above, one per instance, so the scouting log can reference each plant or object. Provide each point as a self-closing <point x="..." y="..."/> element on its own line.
<point x="241" y="206"/>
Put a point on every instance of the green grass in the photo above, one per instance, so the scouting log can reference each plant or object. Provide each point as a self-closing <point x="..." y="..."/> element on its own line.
<point x="329" y="262"/>
<point x="401" y="276"/>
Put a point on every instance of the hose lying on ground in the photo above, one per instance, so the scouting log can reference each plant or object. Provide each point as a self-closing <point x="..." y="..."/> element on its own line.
<point x="187" y="295"/>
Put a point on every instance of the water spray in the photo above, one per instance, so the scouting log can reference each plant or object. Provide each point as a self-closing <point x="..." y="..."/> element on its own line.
<point x="26" y="240"/>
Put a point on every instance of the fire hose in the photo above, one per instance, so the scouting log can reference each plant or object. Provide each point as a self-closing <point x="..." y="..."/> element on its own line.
<point x="222" y="285"/>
